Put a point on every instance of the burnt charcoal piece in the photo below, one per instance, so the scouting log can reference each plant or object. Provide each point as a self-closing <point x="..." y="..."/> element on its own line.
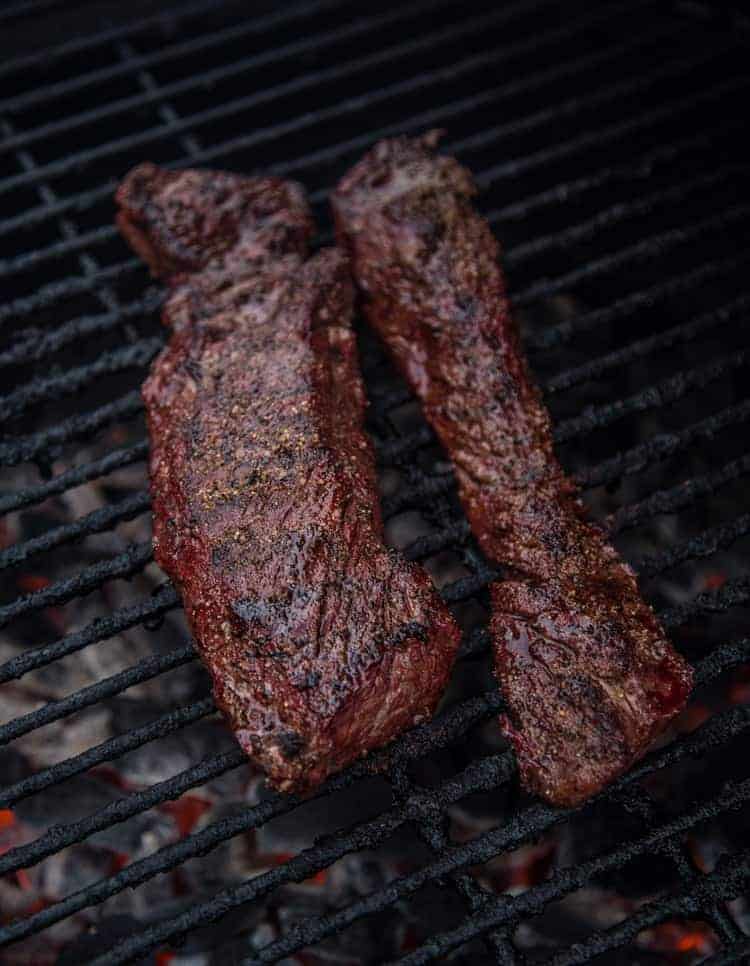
<point x="322" y="644"/>
<point x="588" y="673"/>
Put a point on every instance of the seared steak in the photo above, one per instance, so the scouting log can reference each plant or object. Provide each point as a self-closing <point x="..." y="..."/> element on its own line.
<point x="588" y="673"/>
<point x="322" y="644"/>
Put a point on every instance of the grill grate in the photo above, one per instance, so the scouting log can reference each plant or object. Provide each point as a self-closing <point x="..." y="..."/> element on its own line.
<point x="612" y="169"/>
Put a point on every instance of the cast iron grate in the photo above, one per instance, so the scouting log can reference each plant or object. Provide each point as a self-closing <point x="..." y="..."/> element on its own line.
<point x="607" y="142"/>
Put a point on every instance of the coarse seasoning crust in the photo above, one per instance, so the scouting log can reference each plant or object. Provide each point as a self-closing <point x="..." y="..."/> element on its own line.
<point x="322" y="644"/>
<point x="588" y="673"/>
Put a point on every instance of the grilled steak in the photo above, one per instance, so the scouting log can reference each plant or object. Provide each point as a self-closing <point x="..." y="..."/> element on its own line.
<point x="322" y="643"/>
<point x="588" y="674"/>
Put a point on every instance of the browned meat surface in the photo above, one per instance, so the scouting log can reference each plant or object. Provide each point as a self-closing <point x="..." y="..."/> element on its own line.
<point x="322" y="643"/>
<point x="589" y="676"/>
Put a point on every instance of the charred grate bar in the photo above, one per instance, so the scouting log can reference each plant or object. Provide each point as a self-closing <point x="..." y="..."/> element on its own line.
<point x="612" y="171"/>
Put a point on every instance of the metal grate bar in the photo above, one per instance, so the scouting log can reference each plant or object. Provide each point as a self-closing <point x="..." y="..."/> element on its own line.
<point x="52" y="292"/>
<point x="432" y="831"/>
<point x="614" y="132"/>
<point x="640" y="167"/>
<point x="33" y="259"/>
<point x="704" y="545"/>
<point x="97" y="521"/>
<point x="733" y="593"/>
<point x="79" y="202"/>
<point x="145" y="670"/>
<point x="657" y="396"/>
<point x="61" y="836"/>
<point x="75" y="477"/>
<point x="456" y="532"/>
<point x="574" y="105"/>
<point x="660" y="446"/>
<point x="725" y="882"/>
<point x="714" y="911"/>
<point x="425" y="489"/>
<point x="131" y="561"/>
<point x="678" y="497"/>
<point x="66" y="227"/>
<point x="648" y="248"/>
<point x="106" y="751"/>
<point x="165" y="599"/>
<point x="36" y="344"/>
<point x="23" y="449"/>
<point x="642" y="348"/>
<point x="43" y="389"/>
<point x="166" y="111"/>
<point x="640" y="803"/>
<point x="615" y="214"/>
<point x="556" y="335"/>
<point x="720" y="660"/>
<point x="466" y="587"/>
<point x="624" y="463"/>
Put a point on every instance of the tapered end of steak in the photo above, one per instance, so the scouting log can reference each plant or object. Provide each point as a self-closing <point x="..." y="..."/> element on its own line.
<point x="589" y="684"/>
<point x="393" y="168"/>
<point x="185" y="221"/>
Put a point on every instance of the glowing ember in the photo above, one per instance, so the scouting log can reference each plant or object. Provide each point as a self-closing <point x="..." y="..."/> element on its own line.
<point x="680" y="941"/>
<point x="714" y="581"/>
<point x="32" y="582"/>
<point x="186" y="812"/>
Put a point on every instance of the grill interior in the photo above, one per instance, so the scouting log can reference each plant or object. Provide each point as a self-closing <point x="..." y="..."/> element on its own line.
<point x="607" y="140"/>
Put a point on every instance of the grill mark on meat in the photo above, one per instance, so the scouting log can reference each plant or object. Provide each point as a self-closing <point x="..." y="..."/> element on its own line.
<point x="588" y="674"/>
<point x="322" y="644"/>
